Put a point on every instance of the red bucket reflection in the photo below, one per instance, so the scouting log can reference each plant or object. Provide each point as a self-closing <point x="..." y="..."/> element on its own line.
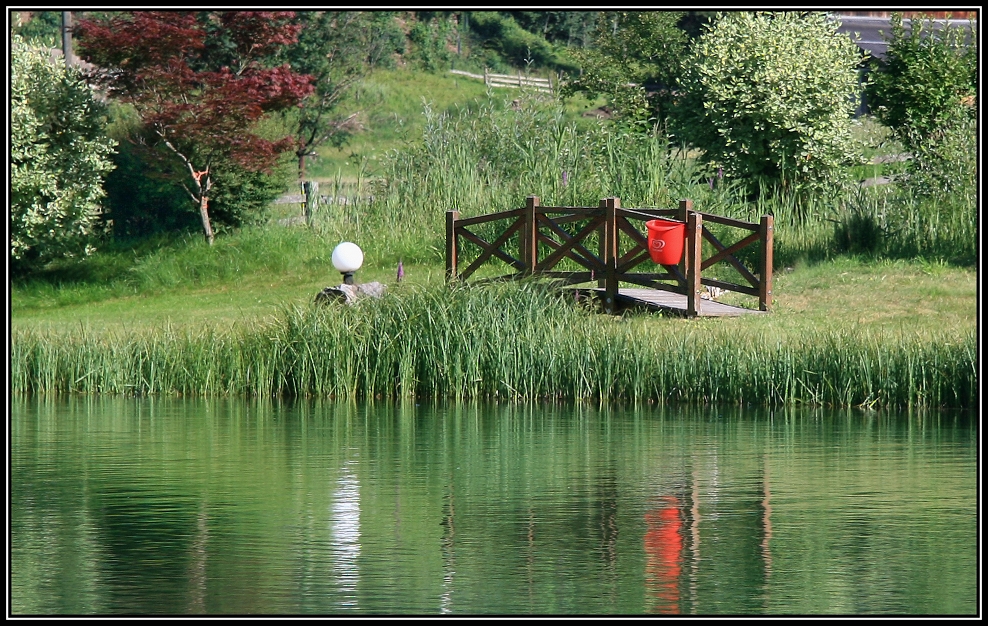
<point x="664" y="555"/>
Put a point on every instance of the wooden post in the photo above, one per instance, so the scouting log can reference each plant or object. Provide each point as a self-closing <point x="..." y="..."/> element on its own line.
<point x="685" y="208"/>
<point x="611" y="205"/>
<point x="529" y="236"/>
<point x="767" y="230"/>
<point x="694" y="254"/>
<point x="311" y="190"/>
<point x="487" y="80"/>
<point x="451" y="247"/>
<point x="67" y="38"/>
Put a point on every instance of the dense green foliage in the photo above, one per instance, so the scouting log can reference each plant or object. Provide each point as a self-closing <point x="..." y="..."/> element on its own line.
<point x="488" y="155"/>
<point x="140" y="202"/>
<point x="144" y="197"/>
<point x="43" y="29"/>
<point x="926" y="91"/>
<point x="335" y="48"/>
<point x="571" y="28"/>
<point x="430" y="43"/>
<point x="929" y="77"/>
<point x="944" y="166"/>
<point x="515" y="45"/>
<point x="59" y="154"/>
<point x="769" y="97"/>
<point x="386" y="40"/>
<point x="203" y="85"/>
<point x="635" y="63"/>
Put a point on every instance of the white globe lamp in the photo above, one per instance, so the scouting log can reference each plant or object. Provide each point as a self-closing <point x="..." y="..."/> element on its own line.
<point x="347" y="259"/>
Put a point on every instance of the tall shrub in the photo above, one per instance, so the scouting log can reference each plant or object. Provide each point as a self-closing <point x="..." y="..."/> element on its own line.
<point x="332" y="47"/>
<point x="634" y="64"/>
<point x="59" y="154"/>
<point x="770" y="97"/>
<point x="430" y="43"/>
<point x="926" y="91"/>
<point x="930" y="72"/>
<point x="43" y="28"/>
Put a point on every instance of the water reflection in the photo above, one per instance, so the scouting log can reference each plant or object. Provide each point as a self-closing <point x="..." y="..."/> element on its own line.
<point x="197" y="562"/>
<point x="446" y="548"/>
<point x="345" y="520"/>
<point x="221" y="507"/>
<point x="664" y="550"/>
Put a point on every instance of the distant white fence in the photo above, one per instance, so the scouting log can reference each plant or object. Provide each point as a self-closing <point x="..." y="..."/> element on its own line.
<point x="508" y="80"/>
<point x="310" y="200"/>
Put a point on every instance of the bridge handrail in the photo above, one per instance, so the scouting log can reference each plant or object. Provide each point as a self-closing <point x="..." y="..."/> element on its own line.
<point x="608" y="265"/>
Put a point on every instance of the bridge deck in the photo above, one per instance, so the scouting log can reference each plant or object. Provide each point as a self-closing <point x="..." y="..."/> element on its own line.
<point x="667" y="301"/>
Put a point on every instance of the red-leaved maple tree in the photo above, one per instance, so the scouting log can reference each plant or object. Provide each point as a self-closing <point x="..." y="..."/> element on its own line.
<point x="199" y="83"/>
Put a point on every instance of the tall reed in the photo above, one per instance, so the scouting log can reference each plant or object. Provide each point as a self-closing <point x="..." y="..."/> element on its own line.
<point x="503" y="341"/>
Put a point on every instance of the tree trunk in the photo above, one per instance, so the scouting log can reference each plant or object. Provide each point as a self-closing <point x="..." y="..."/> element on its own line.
<point x="204" y="214"/>
<point x="301" y="167"/>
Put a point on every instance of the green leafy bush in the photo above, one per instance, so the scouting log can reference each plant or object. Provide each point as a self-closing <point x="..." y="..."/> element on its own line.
<point x="635" y="62"/>
<point x="385" y="37"/>
<point x="571" y="28"/>
<point x="770" y="97"/>
<point x="928" y="77"/>
<point x="242" y="197"/>
<point x="140" y="203"/>
<point x="945" y="163"/>
<point x="43" y="29"/>
<point x="59" y="154"/>
<point x="430" y="43"/>
<point x="143" y="201"/>
<point x="926" y="91"/>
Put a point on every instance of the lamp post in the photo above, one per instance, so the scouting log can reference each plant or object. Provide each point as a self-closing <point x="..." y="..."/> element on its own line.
<point x="347" y="259"/>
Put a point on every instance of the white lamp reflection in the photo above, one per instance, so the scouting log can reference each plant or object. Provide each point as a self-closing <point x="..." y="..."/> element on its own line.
<point x="346" y="534"/>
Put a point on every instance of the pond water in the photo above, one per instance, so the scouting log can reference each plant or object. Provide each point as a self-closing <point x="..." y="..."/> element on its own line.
<point x="176" y="506"/>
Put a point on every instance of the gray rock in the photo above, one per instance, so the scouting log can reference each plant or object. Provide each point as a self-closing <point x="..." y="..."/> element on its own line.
<point x="350" y="293"/>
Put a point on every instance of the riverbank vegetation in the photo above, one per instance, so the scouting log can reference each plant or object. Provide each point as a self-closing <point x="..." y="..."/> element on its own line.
<point x="510" y="341"/>
<point x="875" y="294"/>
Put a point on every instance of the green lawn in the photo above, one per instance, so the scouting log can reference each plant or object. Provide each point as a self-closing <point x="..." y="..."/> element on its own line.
<point x="909" y="297"/>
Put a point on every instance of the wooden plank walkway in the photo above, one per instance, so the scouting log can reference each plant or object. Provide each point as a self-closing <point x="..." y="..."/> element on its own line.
<point x="667" y="301"/>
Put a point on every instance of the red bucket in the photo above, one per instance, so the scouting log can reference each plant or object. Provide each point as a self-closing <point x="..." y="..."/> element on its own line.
<point x="665" y="241"/>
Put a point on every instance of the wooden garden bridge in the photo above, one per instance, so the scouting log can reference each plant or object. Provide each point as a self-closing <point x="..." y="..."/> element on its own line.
<point x="605" y="247"/>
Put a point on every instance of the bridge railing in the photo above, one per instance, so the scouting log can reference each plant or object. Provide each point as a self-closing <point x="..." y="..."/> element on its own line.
<point x="606" y="246"/>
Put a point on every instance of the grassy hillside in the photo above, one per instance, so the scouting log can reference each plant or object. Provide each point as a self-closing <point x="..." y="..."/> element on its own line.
<point x="389" y="107"/>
